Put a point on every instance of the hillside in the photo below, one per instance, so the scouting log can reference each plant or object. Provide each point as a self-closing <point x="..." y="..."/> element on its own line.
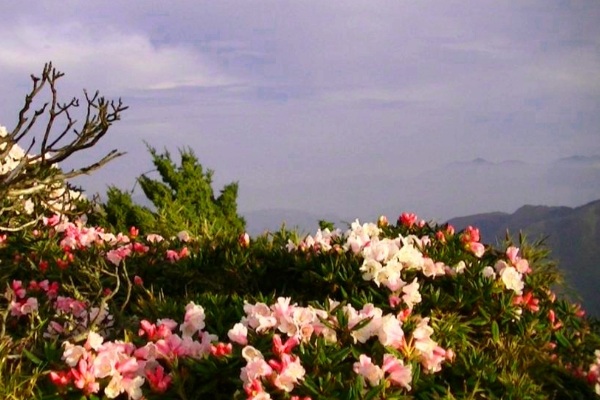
<point x="572" y="235"/>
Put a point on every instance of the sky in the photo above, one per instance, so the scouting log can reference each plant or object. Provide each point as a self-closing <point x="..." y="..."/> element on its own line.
<point x="346" y="109"/>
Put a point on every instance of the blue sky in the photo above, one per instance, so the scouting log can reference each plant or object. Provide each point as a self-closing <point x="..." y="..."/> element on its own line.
<point x="350" y="108"/>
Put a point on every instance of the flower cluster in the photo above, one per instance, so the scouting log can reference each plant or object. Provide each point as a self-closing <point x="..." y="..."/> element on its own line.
<point x="323" y="241"/>
<point x="75" y="317"/>
<point x="370" y="341"/>
<point x="58" y="197"/>
<point x="283" y="371"/>
<point x="511" y="273"/>
<point x="471" y="240"/>
<point x="69" y="317"/>
<point x="301" y="324"/>
<point x="593" y="374"/>
<point x="121" y="367"/>
<point x="15" y="153"/>
<point x="21" y="301"/>
<point x="76" y="235"/>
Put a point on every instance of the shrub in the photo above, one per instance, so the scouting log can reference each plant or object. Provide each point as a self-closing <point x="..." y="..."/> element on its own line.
<point x="183" y="199"/>
<point x="379" y="311"/>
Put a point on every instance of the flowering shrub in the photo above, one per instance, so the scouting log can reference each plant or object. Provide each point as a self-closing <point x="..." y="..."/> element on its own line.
<point x="378" y="311"/>
<point x="56" y="196"/>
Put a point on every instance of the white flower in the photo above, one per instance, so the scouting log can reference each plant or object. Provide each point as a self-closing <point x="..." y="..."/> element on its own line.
<point x="184" y="236"/>
<point x="370" y="270"/>
<point x="460" y="267"/>
<point x="512" y="279"/>
<point x="488" y="272"/>
<point x="411" y="294"/>
<point x="28" y="206"/>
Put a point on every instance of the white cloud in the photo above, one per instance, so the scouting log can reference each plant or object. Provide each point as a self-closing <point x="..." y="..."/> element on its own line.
<point x="113" y="60"/>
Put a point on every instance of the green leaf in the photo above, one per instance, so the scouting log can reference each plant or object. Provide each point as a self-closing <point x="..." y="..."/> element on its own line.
<point x="560" y="338"/>
<point x="310" y="385"/>
<point x="495" y="332"/>
<point x="371" y="394"/>
<point x="32" y="357"/>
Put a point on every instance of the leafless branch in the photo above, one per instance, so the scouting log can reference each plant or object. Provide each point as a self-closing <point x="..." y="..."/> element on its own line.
<point x="35" y="172"/>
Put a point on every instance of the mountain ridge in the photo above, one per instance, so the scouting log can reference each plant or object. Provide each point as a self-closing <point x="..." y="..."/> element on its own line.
<point x="572" y="234"/>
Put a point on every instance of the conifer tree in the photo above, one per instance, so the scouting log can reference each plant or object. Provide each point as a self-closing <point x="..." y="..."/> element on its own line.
<point x="183" y="199"/>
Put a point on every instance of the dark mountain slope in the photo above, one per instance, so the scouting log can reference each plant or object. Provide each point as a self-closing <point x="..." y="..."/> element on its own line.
<point x="572" y="235"/>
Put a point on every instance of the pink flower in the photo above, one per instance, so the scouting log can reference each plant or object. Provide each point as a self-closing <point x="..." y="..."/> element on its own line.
<point x="184" y="252"/>
<point x="154" y="332"/>
<point x="238" y="334"/>
<point x="55" y="219"/>
<point x="555" y="322"/>
<point x="221" y="349"/>
<point x="117" y="255"/>
<point x="289" y="372"/>
<point x="84" y="378"/>
<point x="154" y="238"/>
<point x="18" y="289"/>
<point x="407" y="219"/>
<point x="244" y="240"/>
<point x="172" y="255"/>
<point x="433" y="269"/>
<point x="470" y="234"/>
<point x="133" y="232"/>
<point x="521" y="264"/>
<point x="280" y="348"/>
<point x="259" y="317"/>
<point x="254" y="370"/>
<point x="140" y="248"/>
<point x="138" y="281"/>
<point x="170" y="348"/>
<point x="20" y="308"/>
<point x="394" y="300"/>
<point x="371" y="372"/>
<point x="254" y="390"/>
<point x="512" y="254"/>
<point x="441" y="236"/>
<point x="193" y="320"/>
<point x="73" y="354"/>
<point x="432" y="361"/>
<point x="476" y="248"/>
<point x="61" y="378"/>
<point x="398" y="373"/>
<point x="158" y="380"/>
<point x="390" y="332"/>
<point x="529" y="302"/>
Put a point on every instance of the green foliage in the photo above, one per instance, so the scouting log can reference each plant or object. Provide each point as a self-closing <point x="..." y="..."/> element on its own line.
<point x="183" y="199"/>
<point x="572" y="234"/>
<point x="502" y="349"/>
<point x="412" y="311"/>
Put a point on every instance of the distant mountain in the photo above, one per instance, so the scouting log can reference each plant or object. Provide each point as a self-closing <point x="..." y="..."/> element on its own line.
<point x="573" y="236"/>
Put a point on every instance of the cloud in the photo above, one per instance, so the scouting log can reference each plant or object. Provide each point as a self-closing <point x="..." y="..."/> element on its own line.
<point x="112" y="59"/>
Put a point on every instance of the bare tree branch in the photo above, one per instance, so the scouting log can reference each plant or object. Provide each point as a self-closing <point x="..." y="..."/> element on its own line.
<point x="34" y="174"/>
